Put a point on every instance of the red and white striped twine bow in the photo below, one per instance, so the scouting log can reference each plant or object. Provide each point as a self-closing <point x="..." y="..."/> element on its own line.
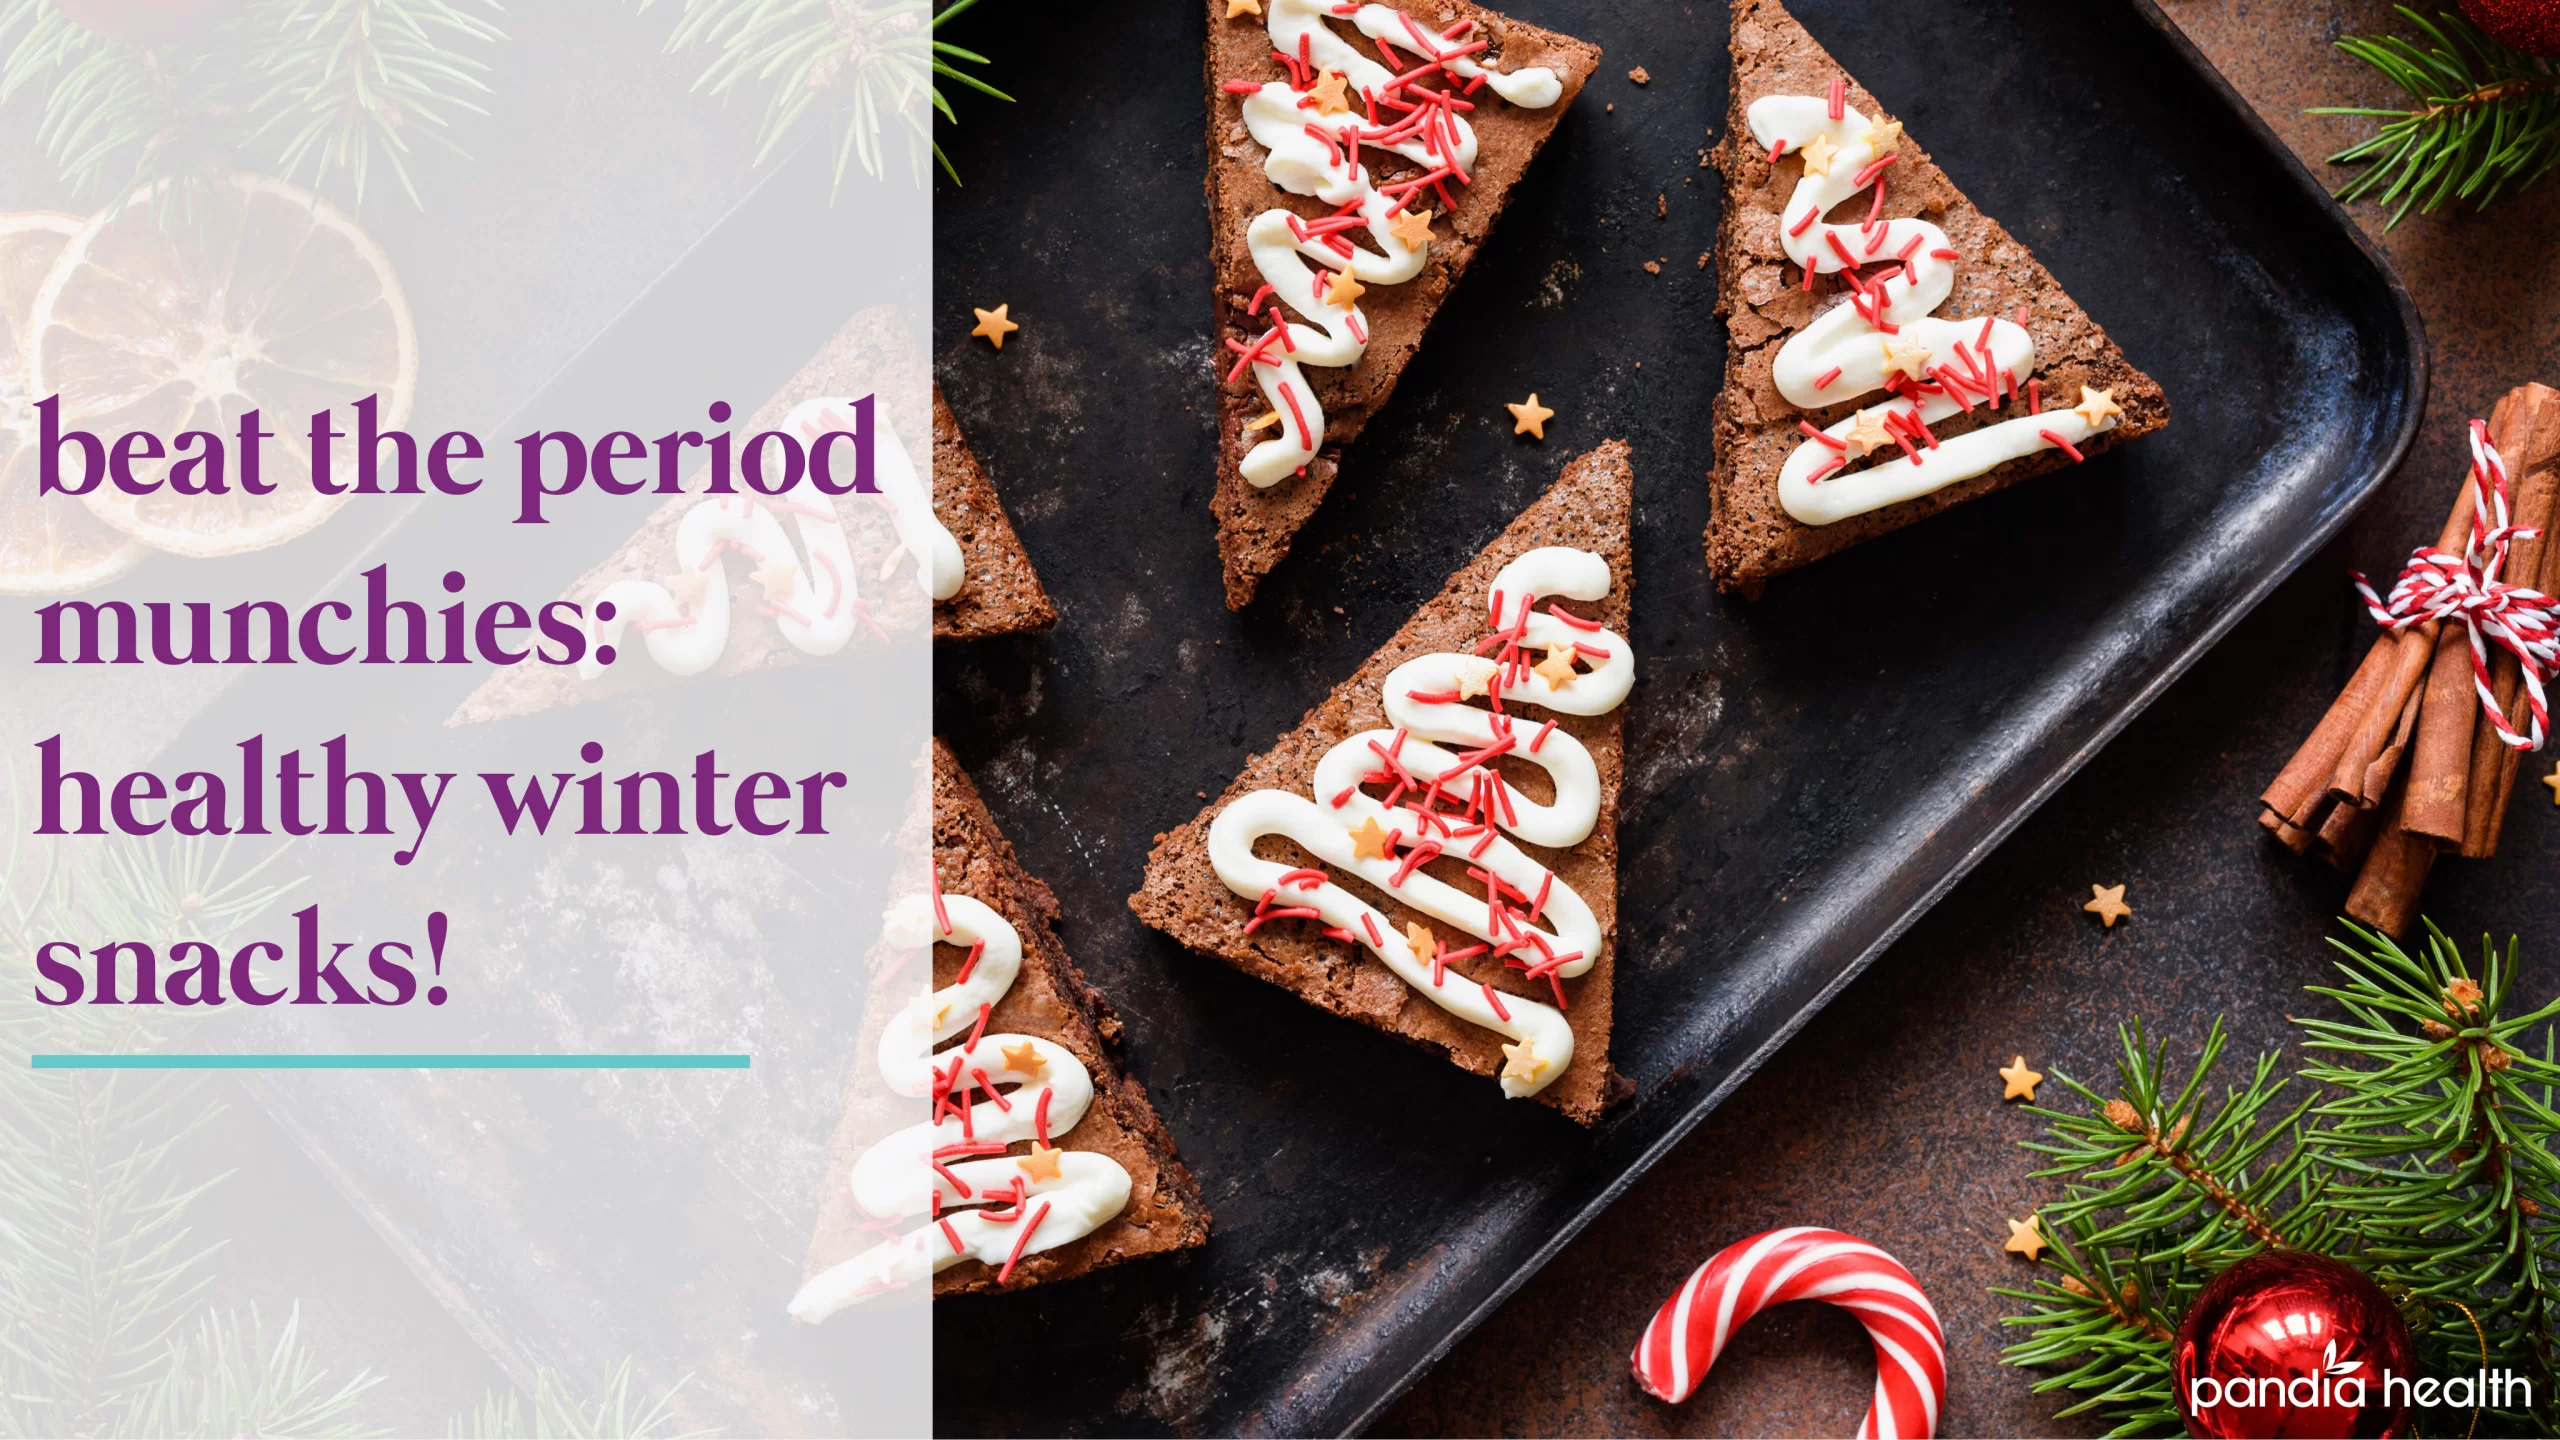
<point x="1804" y="1263"/>
<point x="2439" y="585"/>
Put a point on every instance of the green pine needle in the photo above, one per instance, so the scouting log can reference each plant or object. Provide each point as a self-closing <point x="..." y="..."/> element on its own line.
<point x="2420" y="1152"/>
<point x="867" y="70"/>
<point x="319" y="91"/>
<point x="2485" y="118"/>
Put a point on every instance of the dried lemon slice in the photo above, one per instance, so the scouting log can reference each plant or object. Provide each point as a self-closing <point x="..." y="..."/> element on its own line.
<point x="48" y="546"/>
<point x="274" y="301"/>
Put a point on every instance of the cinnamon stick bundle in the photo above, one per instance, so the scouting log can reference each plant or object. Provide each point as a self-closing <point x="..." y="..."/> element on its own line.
<point x="2402" y="767"/>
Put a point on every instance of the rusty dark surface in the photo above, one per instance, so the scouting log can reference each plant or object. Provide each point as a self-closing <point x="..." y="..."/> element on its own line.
<point x="1804" y="771"/>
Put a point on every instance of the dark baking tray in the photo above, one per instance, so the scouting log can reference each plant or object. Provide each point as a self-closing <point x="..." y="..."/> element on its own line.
<point x="1806" y="773"/>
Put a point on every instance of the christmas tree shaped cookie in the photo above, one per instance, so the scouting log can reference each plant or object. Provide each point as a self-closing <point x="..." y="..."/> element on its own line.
<point x="1434" y="851"/>
<point x="739" y="584"/>
<point x="1891" y="351"/>
<point x="1358" y="156"/>
<point x="1040" y="1159"/>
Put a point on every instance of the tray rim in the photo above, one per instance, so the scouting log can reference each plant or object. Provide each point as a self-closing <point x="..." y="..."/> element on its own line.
<point x="2227" y="616"/>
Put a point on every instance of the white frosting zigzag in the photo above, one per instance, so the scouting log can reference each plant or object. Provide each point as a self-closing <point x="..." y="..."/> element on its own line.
<point x="1528" y="916"/>
<point x="1014" y="1205"/>
<point x="1888" y="337"/>
<point x="1319" y="155"/>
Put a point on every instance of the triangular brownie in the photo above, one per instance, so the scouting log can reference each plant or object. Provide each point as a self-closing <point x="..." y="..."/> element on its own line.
<point x="958" y="542"/>
<point x="1391" y="168"/>
<point x="1000" y="594"/>
<point x="1524" y="788"/>
<point x="2009" y="377"/>
<point x="1104" y="1186"/>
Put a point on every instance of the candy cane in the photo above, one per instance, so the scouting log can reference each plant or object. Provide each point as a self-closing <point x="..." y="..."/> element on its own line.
<point x="1885" y="337"/>
<point x="1414" y="114"/>
<point x="986" y="1205"/>
<point x="1804" y="1263"/>
<point x="1526" y="915"/>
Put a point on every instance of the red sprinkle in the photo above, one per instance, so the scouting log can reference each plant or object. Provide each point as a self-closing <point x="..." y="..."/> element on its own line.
<point x="1810" y="215"/>
<point x="1807" y="427"/>
<point x="1839" y="97"/>
<point x="1494" y="999"/>
<point x="941" y="917"/>
<point x="976" y="950"/>
<point x="2060" y="444"/>
<point x="2035" y="397"/>
<point x="1827" y="377"/>
<point x="1943" y="253"/>
<point x="1021" y="1240"/>
<point x="1778" y="149"/>
<point x="1543" y="732"/>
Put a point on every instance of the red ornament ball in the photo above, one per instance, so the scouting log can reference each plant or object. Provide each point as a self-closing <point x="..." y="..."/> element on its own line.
<point x="2532" y="26"/>
<point x="145" y="22"/>
<point x="2292" y="1344"/>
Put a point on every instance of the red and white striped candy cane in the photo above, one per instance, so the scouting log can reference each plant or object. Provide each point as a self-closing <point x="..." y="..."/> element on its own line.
<point x="1804" y="1263"/>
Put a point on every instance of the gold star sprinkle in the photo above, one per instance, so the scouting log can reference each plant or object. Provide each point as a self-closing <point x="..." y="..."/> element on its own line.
<point x="1412" y="228"/>
<point x="1424" y="944"/>
<point x="1817" y="156"/>
<point x="1867" y="435"/>
<point x="2553" y="780"/>
<point x="1243" y="7"/>
<point x="1370" y="841"/>
<point x="1345" y="291"/>
<point x="1476" y="679"/>
<point x="1557" y="667"/>
<point x="2095" y="406"/>
<point x="1024" y="1059"/>
<point x="2108" y="904"/>
<point x="1911" y="358"/>
<point x="688" y="588"/>
<point x="2026" y="1237"/>
<point x="992" y="325"/>
<point x="1883" y="136"/>
<point x="2019" y="1082"/>
<point x="1327" y="93"/>
<point x="1041" y="1163"/>
<point x="1269" y="417"/>
<point x="779" y="579"/>
<point x="1522" y="1062"/>
<point x="1529" y="418"/>
<point x="941" y="1014"/>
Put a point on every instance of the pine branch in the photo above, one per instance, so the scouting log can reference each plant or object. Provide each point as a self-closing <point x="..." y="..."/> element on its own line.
<point x="2113" y="1321"/>
<point x="351" y="82"/>
<point x="558" y="1414"/>
<point x="2440" y="1141"/>
<point x="867" y="67"/>
<point x="2484" y="119"/>
<point x="317" y="90"/>
<point x="2184" y="1182"/>
<point x="99" y="1269"/>
<point x="228" y="1378"/>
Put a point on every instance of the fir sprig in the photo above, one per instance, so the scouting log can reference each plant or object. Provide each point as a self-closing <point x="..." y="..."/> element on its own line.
<point x="2439" y="1139"/>
<point x="2484" y="118"/>
<point x="320" y="91"/>
<point x="2421" y="1153"/>
<point x="865" y="67"/>
<point x="2164" y="1186"/>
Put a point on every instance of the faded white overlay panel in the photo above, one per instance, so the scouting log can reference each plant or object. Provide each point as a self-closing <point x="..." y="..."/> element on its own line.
<point x="414" y="1022"/>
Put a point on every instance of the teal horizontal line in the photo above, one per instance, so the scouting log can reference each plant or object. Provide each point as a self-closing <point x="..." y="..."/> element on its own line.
<point x="388" y="1062"/>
